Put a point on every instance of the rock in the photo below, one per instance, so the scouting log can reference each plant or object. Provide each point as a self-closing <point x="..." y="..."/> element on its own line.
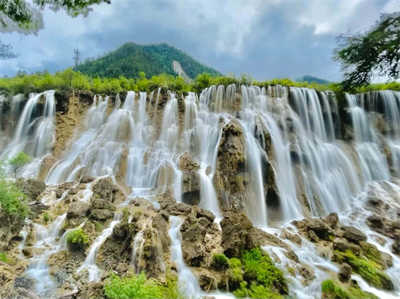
<point x="87" y="179"/>
<point x="27" y="252"/>
<point x="332" y="220"/>
<point x="186" y="163"/>
<point x="99" y="203"/>
<point x="230" y="177"/>
<point x="353" y="234"/>
<point x="106" y="189"/>
<point x="235" y="229"/>
<point x="77" y="209"/>
<point x="343" y="245"/>
<point x="285" y="234"/>
<point x="207" y="279"/>
<point x="345" y="272"/>
<point x="375" y="222"/>
<point x="31" y="188"/>
<point x="24" y="282"/>
<point x="101" y="215"/>
<point x="396" y="247"/>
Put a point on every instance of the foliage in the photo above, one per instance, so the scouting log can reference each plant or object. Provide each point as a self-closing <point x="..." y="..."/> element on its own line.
<point x="254" y="275"/>
<point x="19" y="160"/>
<point x="139" y="287"/>
<point x="12" y="200"/>
<point x="367" y="269"/>
<point x="77" y="239"/>
<point x="18" y="14"/>
<point x="332" y="290"/>
<point x="46" y="217"/>
<point x="374" y="52"/>
<point x="130" y="60"/>
<point x="220" y="261"/>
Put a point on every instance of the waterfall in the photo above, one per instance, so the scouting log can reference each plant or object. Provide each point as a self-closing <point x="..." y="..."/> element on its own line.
<point x="187" y="282"/>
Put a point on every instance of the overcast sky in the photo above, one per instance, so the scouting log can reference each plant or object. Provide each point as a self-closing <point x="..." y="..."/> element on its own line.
<point x="264" y="38"/>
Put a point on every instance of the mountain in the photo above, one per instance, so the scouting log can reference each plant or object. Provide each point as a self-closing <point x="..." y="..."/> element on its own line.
<point x="312" y="79"/>
<point x="131" y="59"/>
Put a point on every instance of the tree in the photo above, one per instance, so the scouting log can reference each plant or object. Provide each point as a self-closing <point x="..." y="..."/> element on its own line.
<point x="18" y="15"/>
<point x="20" y="160"/>
<point x="375" y="52"/>
<point x="77" y="57"/>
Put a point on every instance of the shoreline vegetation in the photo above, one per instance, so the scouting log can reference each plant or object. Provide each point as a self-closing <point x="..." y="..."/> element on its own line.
<point x="70" y="80"/>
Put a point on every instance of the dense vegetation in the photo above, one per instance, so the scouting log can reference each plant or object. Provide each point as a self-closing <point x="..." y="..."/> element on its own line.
<point x="70" y="80"/>
<point x="132" y="59"/>
<point x="312" y="79"/>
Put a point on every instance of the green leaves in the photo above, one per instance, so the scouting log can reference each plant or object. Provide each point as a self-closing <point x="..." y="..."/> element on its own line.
<point x="12" y="200"/>
<point x="375" y="52"/>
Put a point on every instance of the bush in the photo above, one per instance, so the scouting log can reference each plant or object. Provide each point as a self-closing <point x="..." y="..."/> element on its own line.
<point x="12" y="200"/>
<point x="220" y="262"/>
<point x="3" y="257"/>
<point x="77" y="239"/>
<point x="255" y="276"/>
<point x="19" y="161"/>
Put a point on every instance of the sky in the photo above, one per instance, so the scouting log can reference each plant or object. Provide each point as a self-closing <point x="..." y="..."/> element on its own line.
<point x="262" y="38"/>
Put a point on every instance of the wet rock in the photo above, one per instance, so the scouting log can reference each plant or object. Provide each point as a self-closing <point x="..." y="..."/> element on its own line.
<point x="208" y="280"/>
<point x="230" y="179"/>
<point x="235" y="230"/>
<point x="343" y="245"/>
<point x="31" y="188"/>
<point x="77" y="209"/>
<point x="345" y="271"/>
<point x="101" y="215"/>
<point x="332" y="220"/>
<point x="107" y="190"/>
<point x="396" y="247"/>
<point x="375" y="222"/>
<point x="186" y="163"/>
<point x="353" y="234"/>
<point x="285" y="234"/>
<point x="102" y="204"/>
<point x="24" y="282"/>
<point x="86" y="179"/>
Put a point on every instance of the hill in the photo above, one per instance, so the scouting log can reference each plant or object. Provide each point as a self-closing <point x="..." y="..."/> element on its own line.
<point x="131" y="59"/>
<point x="312" y="79"/>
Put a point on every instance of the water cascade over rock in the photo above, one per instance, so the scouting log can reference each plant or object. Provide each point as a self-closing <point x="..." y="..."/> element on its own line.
<point x="187" y="185"/>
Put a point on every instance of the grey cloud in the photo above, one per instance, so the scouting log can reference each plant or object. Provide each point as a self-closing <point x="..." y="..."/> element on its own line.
<point x="266" y="39"/>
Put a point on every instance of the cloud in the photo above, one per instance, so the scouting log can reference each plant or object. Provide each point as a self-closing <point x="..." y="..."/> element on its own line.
<point x="274" y="38"/>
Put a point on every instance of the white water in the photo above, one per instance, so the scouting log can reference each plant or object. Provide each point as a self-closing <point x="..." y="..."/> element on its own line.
<point x="187" y="282"/>
<point x="312" y="166"/>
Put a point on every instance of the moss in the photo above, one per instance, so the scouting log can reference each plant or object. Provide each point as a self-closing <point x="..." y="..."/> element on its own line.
<point x="139" y="287"/>
<point x="3" y="257"/>
<point x="235" y="272"/>
<point x="220" y="262"/>
<point x="334" y="290"/>
<point x="46" y="218"/>
<point x="367" y="269"/>
<point x="255" y="276"/>
<point x="372" y="253"/>
<point x="77" y="239"/>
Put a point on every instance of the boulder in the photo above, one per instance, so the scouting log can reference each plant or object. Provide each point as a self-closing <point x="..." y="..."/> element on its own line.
<point x="353" y="234"/>
<point x="345" y="271"/>
<point x="31" y="188"/>
<point x="101" y="215"/>
<point x="78" y="209"/>
<point x="375" y="222"/>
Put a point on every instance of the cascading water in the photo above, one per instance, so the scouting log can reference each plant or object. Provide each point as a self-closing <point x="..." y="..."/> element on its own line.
<point x="292" y="148"/>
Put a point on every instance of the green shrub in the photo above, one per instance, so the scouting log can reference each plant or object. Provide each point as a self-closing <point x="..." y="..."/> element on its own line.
<point x="77" y="239"/>
<point x="18" y="161"/>
<point x="134" y="287"/>
<point x="12" y="200"/>
<point x="254" y="275"/>
<point x="220" y="262"/>
<point x="46" y="217"/>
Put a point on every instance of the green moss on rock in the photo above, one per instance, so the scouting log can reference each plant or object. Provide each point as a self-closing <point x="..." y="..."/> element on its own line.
<point x="77" y="239"/>
<point x="256" y="276"/>
<point x="334" y="290"/>
<point x="369" y="270"/>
